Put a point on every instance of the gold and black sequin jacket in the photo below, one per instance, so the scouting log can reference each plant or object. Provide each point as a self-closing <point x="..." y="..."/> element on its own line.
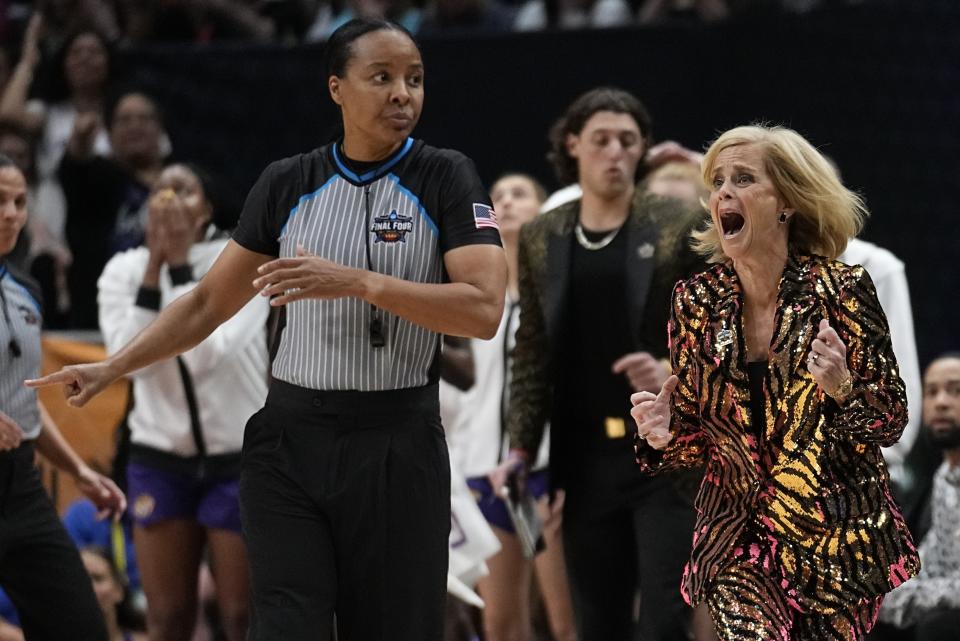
<point x="808" y="491"/>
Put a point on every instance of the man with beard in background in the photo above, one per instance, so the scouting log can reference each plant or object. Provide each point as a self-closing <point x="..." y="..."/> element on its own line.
<point x="931" y="600"/>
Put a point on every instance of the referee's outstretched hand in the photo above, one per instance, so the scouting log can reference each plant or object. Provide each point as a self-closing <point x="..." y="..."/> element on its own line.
<point x="80" y="382"/>
<point x="286" y="280"/>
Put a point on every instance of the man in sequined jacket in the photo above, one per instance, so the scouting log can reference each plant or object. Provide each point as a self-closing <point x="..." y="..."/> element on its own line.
<point x="595" y="279"/>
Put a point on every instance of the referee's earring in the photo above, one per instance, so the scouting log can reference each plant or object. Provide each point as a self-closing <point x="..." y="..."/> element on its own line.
<point x="783" y="217"/>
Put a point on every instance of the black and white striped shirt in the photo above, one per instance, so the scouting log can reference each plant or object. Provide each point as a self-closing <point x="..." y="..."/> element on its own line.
<point x="20" y="351"/>
<point x="413" y="207"/>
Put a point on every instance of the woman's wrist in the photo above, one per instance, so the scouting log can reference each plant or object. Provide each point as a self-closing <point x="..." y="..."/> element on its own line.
<point x="842" y="392"/>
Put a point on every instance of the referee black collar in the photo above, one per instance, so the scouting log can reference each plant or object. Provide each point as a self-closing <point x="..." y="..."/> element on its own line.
<point x="372" y="174"/>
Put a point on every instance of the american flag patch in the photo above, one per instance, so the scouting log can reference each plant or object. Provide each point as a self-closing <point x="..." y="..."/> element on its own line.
<point x="484" y="216"/>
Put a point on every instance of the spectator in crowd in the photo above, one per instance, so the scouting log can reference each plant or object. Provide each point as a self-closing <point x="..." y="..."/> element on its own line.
<point x="78" y="85"/>
<point x="110" y="589"/>
<point x="652" y="11"/>
<point x="186" y="433"/>
<point x="595" y="277"/>
<point x="931" y="600"/>
<point x="62" y="18"/>
<point x="404" y="12"/>
<point x="107" y="196"/>
<point x="535" y="15"/>
<point x="198" y="21"/>
<point x="680" y="180"/>
<point x="785" y="385"/>
<point x="39" y="566"/>
<point x="462" y="18"/>
<point x="476" y="433"/>
<point x="115" y="536"/>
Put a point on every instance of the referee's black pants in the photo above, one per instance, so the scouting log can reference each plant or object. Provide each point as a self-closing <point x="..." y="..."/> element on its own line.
<point x="40" y="567"/>
<point x="345" y="502"/>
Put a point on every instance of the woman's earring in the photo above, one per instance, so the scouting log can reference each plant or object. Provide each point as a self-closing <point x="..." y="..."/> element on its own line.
<point x="783" y="217"/>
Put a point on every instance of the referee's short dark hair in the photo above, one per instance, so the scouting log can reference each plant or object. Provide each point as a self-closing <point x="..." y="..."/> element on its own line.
<point x="339" y="47"/>
<point x="577" y="115"/>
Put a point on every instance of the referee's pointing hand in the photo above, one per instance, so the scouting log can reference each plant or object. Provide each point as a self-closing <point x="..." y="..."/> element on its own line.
<point x="286" y="280"/>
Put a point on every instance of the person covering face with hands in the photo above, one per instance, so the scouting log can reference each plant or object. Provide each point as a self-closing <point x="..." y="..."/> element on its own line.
<point x="785" y="385"/>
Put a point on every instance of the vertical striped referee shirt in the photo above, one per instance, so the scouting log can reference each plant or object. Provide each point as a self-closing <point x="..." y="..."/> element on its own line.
<point x="404" y="213"/>
<point x="20" y="353"/>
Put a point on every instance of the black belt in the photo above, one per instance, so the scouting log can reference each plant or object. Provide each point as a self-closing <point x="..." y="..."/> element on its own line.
<point x="352" y="402"/>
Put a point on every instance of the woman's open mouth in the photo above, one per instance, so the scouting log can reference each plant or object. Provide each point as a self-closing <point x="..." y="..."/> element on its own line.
<point x="732" y="223"/>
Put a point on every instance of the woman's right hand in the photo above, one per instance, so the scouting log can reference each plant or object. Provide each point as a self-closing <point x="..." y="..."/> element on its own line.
<point x="652" y="414"/>
<point x="80" y="382"/>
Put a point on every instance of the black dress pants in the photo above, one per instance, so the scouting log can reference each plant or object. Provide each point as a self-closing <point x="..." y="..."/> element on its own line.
<point x="40" y="567"/>
<point x="625" y="532"/>
<point x="345" y="502"/>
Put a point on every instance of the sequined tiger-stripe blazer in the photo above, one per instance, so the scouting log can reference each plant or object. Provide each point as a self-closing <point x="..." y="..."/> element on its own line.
<point x="808" y="491"/>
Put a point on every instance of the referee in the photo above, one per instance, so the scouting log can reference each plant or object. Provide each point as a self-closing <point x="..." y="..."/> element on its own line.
<point x="40" y="568"/>
<point x="376" y="244"/>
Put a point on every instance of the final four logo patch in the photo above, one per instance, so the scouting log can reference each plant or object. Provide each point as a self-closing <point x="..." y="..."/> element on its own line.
<point x="392" y="227"/>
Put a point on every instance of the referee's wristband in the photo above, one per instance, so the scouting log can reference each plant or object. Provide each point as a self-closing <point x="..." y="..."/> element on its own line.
<point x="181" y="274"/>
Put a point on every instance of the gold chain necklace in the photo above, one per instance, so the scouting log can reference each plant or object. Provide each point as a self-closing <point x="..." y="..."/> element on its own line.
<point x="592" y="245"/>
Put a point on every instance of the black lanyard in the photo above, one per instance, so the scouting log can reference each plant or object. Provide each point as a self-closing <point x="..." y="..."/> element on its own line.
<point x="14" y="345"/>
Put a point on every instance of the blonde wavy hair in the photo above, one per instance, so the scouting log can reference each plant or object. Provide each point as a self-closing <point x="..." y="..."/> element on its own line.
<point x="827" y="214"/>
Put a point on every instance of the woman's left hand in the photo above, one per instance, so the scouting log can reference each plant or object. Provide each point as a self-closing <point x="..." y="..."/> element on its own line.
<point x="306" y="276"/>
<point x="104" y="493"/>
<point x="827" y="360"/>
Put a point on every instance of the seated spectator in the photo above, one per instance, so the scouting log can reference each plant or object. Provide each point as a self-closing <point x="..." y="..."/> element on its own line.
<point x="198" y="21"/>
<point x="64" y="17"/>
<point x="535" y="15"/>
<point x="931" y="600"/>
<point x="654" y="11"/>
<point x="78" y="84"/>
<point x="403" y="12"/>
<point x="458" y="18"/>
<point x="123" y="624"/>
<point x="115" y="537"/>
<point x="107" y="196"/>
<point x="680" y="180"/>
